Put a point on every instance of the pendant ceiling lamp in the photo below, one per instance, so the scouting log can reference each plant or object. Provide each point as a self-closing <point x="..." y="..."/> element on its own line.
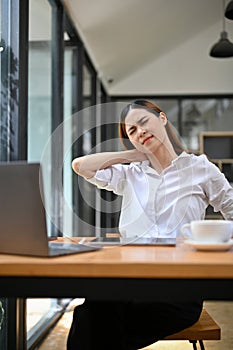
<point x="229" y="10"/>
<point x="224" y="47"/>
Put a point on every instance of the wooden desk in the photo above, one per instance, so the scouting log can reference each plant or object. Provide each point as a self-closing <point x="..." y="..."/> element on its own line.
<point x="159" y="273"/>
<point x="116" y="273"/>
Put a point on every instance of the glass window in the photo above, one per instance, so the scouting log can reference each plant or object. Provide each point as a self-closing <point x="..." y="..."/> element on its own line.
<point x="68" y="110"/>
<point x="199" y="115"/>
<point x="88" y="142"/>
<point x="39" y="87"/>
<point x="2" y="301"/>
<point x="39" y="311"/>
<point x="79" y="216"/>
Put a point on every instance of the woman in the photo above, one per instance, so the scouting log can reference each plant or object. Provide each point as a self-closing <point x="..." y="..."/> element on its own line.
<point x="162" y="188"/>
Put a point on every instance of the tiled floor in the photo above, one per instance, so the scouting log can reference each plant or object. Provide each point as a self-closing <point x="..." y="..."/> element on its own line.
<point x="222" y="312"/>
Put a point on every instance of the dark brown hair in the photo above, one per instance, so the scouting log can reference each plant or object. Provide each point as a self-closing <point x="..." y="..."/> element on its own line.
<point x="152" y="108"/>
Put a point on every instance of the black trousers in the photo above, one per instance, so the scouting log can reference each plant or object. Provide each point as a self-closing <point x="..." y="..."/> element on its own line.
<point x="128" y="325"/>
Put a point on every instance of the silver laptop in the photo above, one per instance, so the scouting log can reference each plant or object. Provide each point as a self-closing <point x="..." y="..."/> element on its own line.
<point x="23" y="228"/>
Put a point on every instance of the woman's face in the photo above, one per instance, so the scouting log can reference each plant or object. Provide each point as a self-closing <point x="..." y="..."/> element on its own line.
<point x="145" y="130"/>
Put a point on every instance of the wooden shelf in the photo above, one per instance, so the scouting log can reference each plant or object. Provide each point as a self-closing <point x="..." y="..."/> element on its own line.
<point x="217" y="145"/>
<point x="223" y="161"/>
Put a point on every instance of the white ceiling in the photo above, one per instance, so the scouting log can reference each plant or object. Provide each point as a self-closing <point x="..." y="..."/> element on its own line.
<point x="140" y="43"/>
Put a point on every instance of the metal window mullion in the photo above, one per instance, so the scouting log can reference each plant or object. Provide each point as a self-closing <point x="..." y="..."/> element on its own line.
<point x="179" y="117"/>
<point x="23" y="14"/>
<point x="57" y="112"/>
<point x="57" y="66"/>
<point x="94" y="136"/>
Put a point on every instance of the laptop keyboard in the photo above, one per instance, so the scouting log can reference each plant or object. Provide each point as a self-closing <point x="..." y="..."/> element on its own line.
<point x="68" y="248"/>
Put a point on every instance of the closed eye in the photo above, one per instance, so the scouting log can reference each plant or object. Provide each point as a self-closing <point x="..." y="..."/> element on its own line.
<point x="141" y="122"/>
<point x="144" y="121"/>
<point x="131" y="130"/>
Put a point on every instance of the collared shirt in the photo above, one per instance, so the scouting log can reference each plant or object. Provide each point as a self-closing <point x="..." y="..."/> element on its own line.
<point x="157" y="205"/>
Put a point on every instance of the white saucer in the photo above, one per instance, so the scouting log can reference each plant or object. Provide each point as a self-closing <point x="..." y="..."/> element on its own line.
<point x="210" y="245"/>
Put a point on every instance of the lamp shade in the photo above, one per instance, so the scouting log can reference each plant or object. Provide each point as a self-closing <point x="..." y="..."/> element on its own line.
<point x="229" y="10"/>
<point x="223" y="48"/>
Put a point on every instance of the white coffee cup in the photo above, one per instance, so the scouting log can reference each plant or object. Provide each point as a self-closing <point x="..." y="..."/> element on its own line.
<point x="209" y="231"/>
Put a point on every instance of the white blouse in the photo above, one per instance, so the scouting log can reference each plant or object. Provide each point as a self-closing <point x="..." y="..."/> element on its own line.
<point x="159" y="204"/>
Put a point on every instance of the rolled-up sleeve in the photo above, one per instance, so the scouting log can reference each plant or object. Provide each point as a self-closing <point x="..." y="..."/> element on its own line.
<point x="111" y="179"/>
